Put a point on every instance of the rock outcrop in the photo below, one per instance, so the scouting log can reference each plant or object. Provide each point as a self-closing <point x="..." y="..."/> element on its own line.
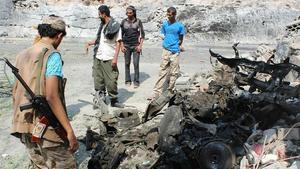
<point x="207" y="20"/>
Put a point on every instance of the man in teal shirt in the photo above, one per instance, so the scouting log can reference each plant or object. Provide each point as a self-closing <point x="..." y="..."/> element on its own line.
<point x="173" y="32"/>
<point x="54" y="65"/>
<point x="47" y="149"/>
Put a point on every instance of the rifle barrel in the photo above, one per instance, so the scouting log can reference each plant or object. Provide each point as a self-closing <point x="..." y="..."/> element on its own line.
<point x="15" y="71"/>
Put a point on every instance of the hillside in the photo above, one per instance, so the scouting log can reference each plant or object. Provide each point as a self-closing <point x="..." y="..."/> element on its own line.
<point x="205" y="20"/>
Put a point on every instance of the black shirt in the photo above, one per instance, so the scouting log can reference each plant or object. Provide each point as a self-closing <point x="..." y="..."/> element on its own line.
<point x="132" y="31"/>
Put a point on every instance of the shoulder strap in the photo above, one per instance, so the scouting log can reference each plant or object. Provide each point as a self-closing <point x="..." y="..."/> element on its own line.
<point x="41" y="61"/>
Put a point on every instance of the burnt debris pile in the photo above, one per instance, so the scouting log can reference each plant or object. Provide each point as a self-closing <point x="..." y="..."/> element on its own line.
<point x="247" y="117"/>
<point x="240" y="121"/>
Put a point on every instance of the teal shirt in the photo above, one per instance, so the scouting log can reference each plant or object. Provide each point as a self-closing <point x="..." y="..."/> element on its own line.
<point x="54" y="65"/>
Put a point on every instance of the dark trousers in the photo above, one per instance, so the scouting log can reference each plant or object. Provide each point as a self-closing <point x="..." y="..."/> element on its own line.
<point x="136" y="60"/>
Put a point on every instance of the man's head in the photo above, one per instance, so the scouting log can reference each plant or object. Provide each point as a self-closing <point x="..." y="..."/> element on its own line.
<point x="103" y="12"/>
<point x="131" y="12"/>
<point x="53" y="27"/>
<point x="171" y="13"/>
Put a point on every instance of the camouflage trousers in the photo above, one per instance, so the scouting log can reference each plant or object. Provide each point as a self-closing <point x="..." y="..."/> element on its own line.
<point x="106" y="78"/>
<point x="169" y="67"/>
<point x="48" y="155"/>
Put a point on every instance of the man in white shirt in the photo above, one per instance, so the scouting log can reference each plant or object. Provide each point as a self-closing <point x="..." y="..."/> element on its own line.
<point x="106" y="51"/>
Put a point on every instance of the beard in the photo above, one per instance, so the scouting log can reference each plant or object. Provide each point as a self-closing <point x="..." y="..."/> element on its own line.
<point x="102" y="20"/>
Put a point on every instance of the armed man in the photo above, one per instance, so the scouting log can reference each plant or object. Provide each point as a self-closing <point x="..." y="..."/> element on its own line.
<point x="40" y="66"/>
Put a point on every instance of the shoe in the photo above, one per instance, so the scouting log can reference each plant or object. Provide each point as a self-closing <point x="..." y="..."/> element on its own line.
<point x="136" y="85"/>
<point x="128" y="84"/>
<point x="99" y="98"/>
<point x="117" y="104"/>
<point x="153" y="97"/>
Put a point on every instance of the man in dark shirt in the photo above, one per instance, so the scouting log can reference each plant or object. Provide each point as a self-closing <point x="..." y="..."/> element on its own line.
<point x="132" y="41"/>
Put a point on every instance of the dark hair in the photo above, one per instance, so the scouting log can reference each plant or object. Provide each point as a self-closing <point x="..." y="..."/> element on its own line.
<point x="45" y="30"/>
<point x="104" y="9"/>
<point x="130" y="7"/>
<point x="172" y="9"/>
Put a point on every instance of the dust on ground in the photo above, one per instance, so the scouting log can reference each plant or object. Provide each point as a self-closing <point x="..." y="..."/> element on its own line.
<point x="78" y="68"/>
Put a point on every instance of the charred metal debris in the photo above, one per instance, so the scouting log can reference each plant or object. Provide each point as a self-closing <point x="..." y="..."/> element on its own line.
<point x="241" y="121"/>
<point x="247" y="118"/>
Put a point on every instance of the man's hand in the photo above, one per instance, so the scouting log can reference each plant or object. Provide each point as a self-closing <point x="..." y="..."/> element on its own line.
<point x="53" y="98"/>
<point x="87" y="45"/>
<point x="138" y="48"/>
<point x="123" y="49"/>
<point x="73" y="144"/>
<point x="181" y="48"/>
<point x="114" y="63"/>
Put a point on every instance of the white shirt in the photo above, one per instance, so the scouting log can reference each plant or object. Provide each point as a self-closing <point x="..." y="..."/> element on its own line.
<point x="107" y="47"/>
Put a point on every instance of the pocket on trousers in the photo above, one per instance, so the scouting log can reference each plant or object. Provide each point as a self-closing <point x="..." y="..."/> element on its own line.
<point x="115" y="73"/>
<point x="174" y="56"/>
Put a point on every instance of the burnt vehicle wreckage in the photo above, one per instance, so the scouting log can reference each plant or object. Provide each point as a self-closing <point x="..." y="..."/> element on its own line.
<point x="247" y="118"/>
<point x="221" y="128"/>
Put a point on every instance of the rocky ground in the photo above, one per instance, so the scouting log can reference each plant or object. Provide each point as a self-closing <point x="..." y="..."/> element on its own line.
<point x="77" y="69"/>
<point x="208" y="20"/>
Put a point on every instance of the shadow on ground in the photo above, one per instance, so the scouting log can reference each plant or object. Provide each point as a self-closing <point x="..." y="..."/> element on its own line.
<point x="124" y="95"/>
<point x="74" y="109"/>
<point x="144" y="76"/>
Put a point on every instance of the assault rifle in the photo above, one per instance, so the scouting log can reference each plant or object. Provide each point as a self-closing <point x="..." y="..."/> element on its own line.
<point x="41" y="106"/>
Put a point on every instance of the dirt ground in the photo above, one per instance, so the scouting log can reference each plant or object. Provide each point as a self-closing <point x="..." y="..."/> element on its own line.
<point x="77" y="68"/>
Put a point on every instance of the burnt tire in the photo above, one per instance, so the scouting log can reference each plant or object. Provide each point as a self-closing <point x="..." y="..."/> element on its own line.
<point x="216" y="155"/>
